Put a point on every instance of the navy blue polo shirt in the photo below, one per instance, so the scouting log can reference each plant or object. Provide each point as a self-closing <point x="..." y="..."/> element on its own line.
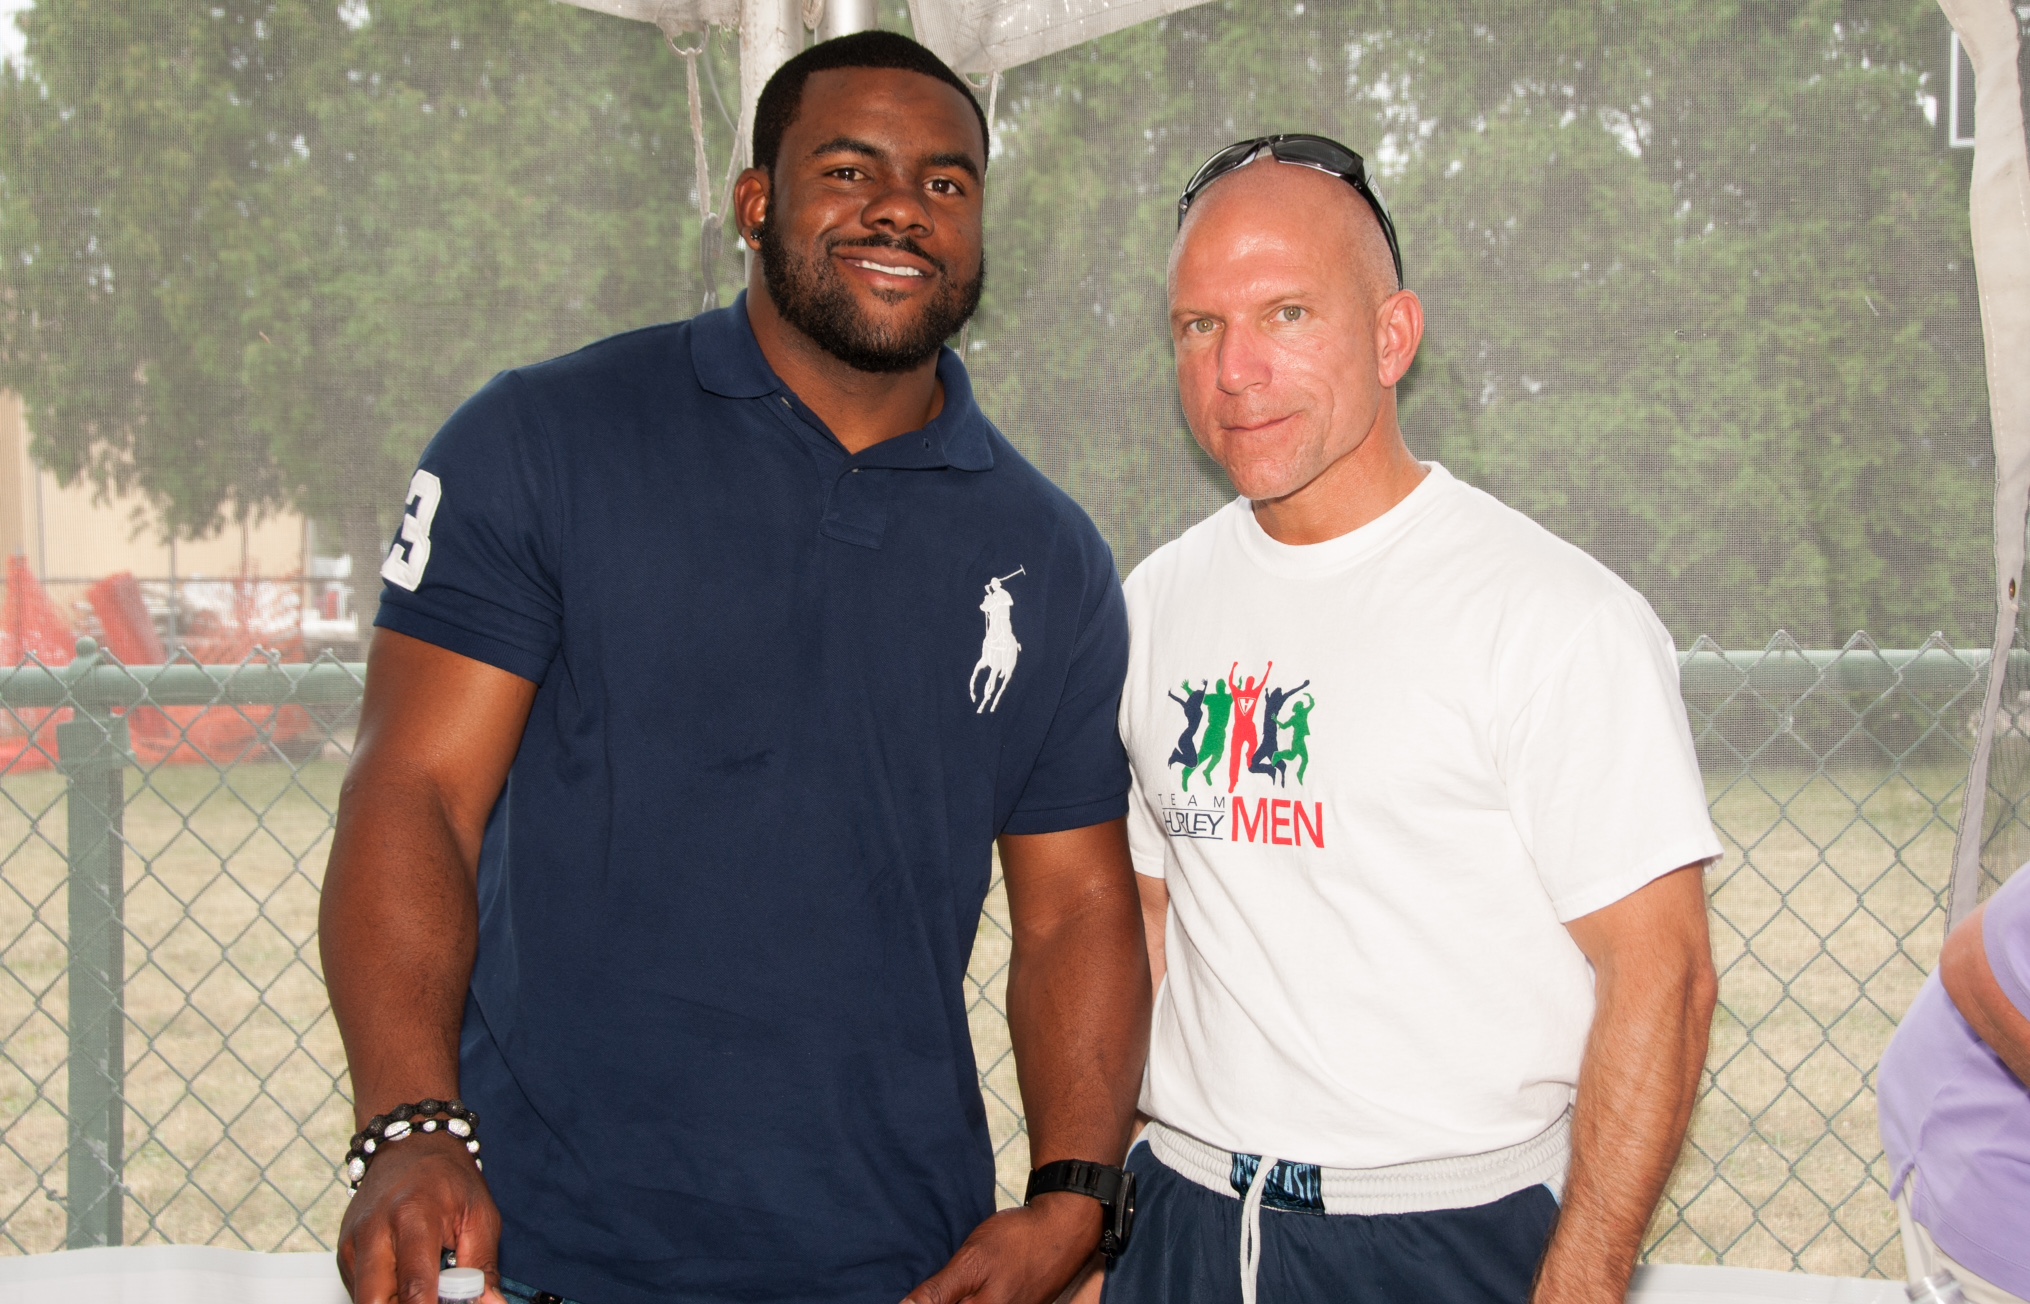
<point x="786" y="699"/>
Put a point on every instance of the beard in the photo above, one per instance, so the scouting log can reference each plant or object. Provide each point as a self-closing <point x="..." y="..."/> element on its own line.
<point x="812" y="296"/>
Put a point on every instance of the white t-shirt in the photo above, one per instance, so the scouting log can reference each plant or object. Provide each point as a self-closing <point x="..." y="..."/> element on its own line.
<point x="1477" y="736"/>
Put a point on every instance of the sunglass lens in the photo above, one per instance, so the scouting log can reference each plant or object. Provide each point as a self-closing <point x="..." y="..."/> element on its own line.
<point x="1321" y="154"/>
<point x="1212" y="170"/>
<point x="1220" y="164"/>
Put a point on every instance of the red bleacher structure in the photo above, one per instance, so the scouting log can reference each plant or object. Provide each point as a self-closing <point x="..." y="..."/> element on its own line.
<point x="34" y="628"/>
<point x="261" y="621"/>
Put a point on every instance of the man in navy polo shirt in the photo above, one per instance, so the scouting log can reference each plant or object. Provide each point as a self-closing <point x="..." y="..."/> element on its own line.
<point x="713" y="660"/>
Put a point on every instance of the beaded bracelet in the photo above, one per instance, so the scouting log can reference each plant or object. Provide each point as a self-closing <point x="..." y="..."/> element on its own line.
<point x="409" y="1120"/>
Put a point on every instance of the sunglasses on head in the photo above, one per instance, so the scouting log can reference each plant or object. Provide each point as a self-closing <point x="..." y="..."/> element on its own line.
<point x="1315" y="152"/>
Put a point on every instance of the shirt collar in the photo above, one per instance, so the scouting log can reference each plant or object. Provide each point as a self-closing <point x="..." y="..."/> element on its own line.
<point x="729" y="363"/>
<point x="727" y="356"/>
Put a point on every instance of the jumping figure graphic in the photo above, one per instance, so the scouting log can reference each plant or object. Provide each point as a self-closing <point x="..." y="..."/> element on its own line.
<point x="998" y="650"/>
<point x="1299" y="725"/>
<point x="1264" y="759"/>
<point x="1247" y="699"/>
<point x="1186" y="751"/>
<point x="1219" y="705"/>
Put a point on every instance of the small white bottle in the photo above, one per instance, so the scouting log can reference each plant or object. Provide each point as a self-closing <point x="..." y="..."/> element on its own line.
<point x="460" y="1285"/>
<point x="1939" y="1288"/>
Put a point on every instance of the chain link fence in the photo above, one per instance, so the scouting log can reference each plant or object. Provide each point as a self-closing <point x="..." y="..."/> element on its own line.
<point x="169" y="1067"/>
<point x="1836" y="780"/>
<point x="170" y="1072"/>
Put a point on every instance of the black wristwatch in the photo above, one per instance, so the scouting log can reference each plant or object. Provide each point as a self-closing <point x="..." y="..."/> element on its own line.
<point x="1114" y="1188"/>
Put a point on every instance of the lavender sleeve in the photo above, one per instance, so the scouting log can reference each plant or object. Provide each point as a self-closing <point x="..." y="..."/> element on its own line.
<point x="2005" y="934"/>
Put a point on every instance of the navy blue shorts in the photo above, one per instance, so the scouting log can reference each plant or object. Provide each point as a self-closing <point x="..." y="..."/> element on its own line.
<point x="1187" y="1246"/>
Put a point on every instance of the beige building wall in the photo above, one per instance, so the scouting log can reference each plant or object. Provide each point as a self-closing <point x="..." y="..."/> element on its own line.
<point x="71" y="534"/>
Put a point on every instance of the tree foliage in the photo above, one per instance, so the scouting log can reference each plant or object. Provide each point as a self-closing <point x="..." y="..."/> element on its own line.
<point x="1697" y="274"/>
<point x="1696" y="271"/>
<point x="256" y="251"/>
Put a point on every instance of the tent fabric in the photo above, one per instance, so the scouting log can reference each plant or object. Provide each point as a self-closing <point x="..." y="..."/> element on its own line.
<point x="673" y="16"/>
<point x="1991" y="32"/>
<point x="987" y="36"/>
<point x="975" y="36"/>
<point x="196" y="1274"/>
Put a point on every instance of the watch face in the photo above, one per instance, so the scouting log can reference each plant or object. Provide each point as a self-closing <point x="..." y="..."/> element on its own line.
<point x="1123" y="1216"/>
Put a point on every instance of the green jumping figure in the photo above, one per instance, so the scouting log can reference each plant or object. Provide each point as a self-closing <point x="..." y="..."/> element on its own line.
<point x="1299" y="725"/>
<point x="1219" y="705"/>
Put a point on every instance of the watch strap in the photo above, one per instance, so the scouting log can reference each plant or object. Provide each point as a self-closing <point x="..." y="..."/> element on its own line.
<point x="1114" y="1188"/>
<point x="1079" y="1176"/>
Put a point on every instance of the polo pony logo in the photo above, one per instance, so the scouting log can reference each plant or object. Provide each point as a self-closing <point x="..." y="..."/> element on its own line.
<point x="998" y="650"/>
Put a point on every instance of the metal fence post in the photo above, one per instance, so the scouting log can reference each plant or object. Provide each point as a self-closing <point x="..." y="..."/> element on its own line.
<point x="92" y="751"/>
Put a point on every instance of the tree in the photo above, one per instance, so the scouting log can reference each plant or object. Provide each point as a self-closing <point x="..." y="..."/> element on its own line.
<point x="1697" y="271"/>
<point x="256" y="252"/>
<point x="1698" y="277"/>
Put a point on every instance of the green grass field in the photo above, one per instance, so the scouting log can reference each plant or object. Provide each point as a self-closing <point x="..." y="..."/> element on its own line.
<point x="1826" y="917"/>
<point x="236" y="1115"/>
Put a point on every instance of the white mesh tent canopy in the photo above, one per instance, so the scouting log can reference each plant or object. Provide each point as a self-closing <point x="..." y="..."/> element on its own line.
<point x="1713" y="292"/>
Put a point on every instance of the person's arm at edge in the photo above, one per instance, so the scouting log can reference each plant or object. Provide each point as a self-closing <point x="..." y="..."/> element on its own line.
<point x="1970" y="981"/>
<point x="398" y="927"/>
<point x="1655" y="991"/>
<point x="1078" y="1018"/>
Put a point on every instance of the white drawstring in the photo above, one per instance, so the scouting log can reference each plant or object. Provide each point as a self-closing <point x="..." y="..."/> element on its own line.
<point x="1251" y="1229"/>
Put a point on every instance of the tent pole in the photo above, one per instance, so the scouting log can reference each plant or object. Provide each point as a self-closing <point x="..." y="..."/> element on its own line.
<point x="844" y="17"/>
<point x="770" y="32"/>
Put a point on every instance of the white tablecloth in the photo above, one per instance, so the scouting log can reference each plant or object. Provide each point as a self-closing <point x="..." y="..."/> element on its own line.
<point x="170" y="1274"/>
<point x="192" y="1274"/>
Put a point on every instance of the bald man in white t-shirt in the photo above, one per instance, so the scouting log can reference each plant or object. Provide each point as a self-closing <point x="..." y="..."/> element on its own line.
<point x="1425" y="858"/>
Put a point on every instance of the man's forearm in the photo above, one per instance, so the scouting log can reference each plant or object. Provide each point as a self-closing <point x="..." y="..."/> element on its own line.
<point x="1637" y="1087"/>
<point x="1078" y="1018"/>
<point x="399" y="922"/>
<point x="1970" y="984"/>
<point x="397" y="929"/>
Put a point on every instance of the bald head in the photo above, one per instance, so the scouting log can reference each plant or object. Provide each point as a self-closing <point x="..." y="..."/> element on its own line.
<point x="1268" y="200"/>
<point x="1290" y="335"/>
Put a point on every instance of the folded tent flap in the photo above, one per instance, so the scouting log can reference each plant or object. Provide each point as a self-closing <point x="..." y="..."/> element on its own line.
<point x="1992" y="33"/>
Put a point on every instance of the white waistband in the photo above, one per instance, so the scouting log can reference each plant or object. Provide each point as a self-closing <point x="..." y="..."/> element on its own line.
<point x="1420" y="1187"/>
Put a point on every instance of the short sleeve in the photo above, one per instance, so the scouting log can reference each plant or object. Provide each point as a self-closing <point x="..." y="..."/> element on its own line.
<point x="1602" y="776"/>
<point x="1081" y="776"/>
<point x="471" y="568"/>
<point x="2005" y="936"/>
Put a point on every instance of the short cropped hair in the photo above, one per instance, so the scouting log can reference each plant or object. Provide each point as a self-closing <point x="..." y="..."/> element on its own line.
<point x="784" y="94"/>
